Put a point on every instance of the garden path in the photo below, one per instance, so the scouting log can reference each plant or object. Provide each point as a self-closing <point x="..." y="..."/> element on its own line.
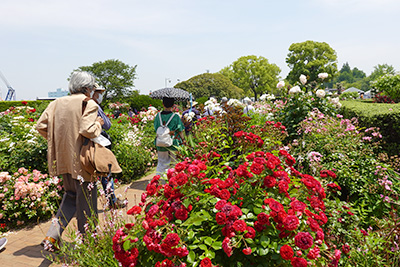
<point x="23" y="248"/>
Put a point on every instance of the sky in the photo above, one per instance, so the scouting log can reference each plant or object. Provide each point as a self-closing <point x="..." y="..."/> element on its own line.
<point x="43" y="41"/>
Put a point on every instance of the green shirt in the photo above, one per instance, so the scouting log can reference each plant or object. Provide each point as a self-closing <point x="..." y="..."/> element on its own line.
<point x="174" y="125"/>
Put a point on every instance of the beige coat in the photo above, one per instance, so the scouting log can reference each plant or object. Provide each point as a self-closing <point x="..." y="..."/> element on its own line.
<point x="63" y="125"/>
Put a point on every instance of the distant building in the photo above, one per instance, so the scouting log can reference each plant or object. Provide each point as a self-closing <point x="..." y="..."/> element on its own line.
<point x="58" y="93"/>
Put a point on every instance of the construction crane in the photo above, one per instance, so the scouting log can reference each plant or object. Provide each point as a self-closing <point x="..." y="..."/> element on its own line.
<point x="11" y="92"/>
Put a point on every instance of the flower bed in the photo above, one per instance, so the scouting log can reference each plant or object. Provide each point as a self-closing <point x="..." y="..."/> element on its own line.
<point x="27" y="196"/>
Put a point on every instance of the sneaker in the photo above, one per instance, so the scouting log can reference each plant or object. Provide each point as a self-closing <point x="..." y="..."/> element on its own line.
<point x="3" y="242"/>
<point x="50" y="244"/>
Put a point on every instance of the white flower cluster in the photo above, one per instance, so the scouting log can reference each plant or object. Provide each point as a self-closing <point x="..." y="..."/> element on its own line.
<point x="323" y="75"/>
<point x="320" y="93"/>
<point x="234" y="102"/>
<point x="133" y="136"/>
<point x="189" y="116"/>
<point x="280" y="84"/>
<point x="294" y="90"/>
<point x="267" y="97"/>
<point x="335" y="102"/>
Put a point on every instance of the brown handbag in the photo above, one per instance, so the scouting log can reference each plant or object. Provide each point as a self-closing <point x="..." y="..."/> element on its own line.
<point x="95" y="158"/>
<point x="98" y="160"/>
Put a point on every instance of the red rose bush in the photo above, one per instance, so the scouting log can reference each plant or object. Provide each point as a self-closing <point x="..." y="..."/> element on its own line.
<point x="209" y="212"/>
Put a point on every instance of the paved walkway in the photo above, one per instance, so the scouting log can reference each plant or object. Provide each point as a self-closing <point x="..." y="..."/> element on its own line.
<point x="23" y="248"/>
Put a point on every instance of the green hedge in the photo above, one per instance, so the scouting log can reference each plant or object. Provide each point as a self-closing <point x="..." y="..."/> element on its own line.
<point x="384" y="116"/>
<point x="143" y="101"/>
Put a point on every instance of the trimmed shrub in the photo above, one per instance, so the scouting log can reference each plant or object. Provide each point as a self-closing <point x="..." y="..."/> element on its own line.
<point x="384" y="116"/>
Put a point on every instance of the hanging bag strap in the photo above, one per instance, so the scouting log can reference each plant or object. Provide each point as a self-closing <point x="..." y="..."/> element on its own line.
<point x="170" y="118"/>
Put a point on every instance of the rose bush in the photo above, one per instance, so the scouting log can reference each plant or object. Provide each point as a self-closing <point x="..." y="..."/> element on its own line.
<point x="27" y="196"/>
<point x="230" y="202"/>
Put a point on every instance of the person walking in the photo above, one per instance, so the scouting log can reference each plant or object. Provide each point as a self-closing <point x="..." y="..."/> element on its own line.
<point x="65" y="125"/>
<point x="106" y="182"/>
<point x="190" y="116"/>
<point x="166" y="155"/>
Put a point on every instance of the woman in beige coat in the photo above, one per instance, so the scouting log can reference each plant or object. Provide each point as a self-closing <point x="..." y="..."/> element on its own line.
<point x="64" y="126"/>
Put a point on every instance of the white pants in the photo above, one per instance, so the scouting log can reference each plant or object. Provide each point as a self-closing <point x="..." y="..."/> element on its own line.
<point x="166" y="160"/>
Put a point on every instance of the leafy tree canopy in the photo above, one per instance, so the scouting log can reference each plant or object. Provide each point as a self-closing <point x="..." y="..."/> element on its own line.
<point x="210" y="84"/>
<point x="350" y="78"/>
<point x="380" y="70"/>
<point x="253" y="74"/>
<point x="311" y="58"/>
<point x="115" y="76"/>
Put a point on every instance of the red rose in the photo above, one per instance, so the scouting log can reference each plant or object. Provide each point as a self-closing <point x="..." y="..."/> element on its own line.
<point x="172" y="239"/>
<point x="206" y="262"/>
<point x="304" y="240"/>
<point x="313" y="224"/>
<point x="251" y="233"/>
<point x="226" y="246"/>
<point x="258" y="226"/>
<point x="269" y="181"/>
<point x="313" y="253"/>
<point x="220" y="217"/>
<point x="286" y="252"/>
<point x="346" y="248"/>
<point x="291" y="222"/>
<point x="299" y="262"/>
<point x="220" y="204"/>
<point x="247" y="251"/>
<point x="181" y="214"/>
<point x="263" y="218"/>
<point x="134" y="210"/>
<point x="298" y="205"/>
<point x="275" y="205"/>
<point x="256" y="168"/>
<point x="239" y="226"/>
<point x="224" y="194"/>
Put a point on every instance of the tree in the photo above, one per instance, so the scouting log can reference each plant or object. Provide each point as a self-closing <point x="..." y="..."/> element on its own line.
<point x="210" y="84"/>
<point x="253" y="74"/>
<point x="380" y="70"/>
<point x="311" y="58"/>
<point x="113" y="75"/>
<point x="350" y="78"/>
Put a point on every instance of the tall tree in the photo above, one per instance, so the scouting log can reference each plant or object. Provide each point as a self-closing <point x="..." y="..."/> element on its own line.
<point x="311" y="58"/>
<point x="380" y="70"/>
<point x="253" y="74"/>
<point x="210" y="84"/>
<point x="113" y="75"/>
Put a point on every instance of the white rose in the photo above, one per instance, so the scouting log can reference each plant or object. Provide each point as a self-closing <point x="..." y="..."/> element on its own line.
<point x="263" y="97"/>
<point x="294" y="90"/>
<point x="303" y="79"/>
<point x="320" y="93"/>
<point x="335" y="100"/>
<point x="280" y="84"/>
<point x="323" y="75"/>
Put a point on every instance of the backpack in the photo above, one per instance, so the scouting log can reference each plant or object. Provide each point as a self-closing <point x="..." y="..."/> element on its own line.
<point x="164" y="138"/>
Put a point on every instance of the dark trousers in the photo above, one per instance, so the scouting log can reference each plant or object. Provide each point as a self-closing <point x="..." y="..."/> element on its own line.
<point x="77" y="200"/>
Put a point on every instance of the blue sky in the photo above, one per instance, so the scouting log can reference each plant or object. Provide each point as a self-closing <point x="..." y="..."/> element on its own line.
<point x="42" y="41"/>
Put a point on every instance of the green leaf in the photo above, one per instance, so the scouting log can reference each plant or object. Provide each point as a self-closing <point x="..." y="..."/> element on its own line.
<point x="127" y="245"/>
<point x="264" y="241"/>
<point x="191" y="257"/>
<point x="208" y="241"/>
<point x="190" y="234"/>
<point x="203" y="247"/>
<point x="257" y="210"/>
<point x="210" y="254"/>
<point x="217" y="245"/>
<point x="263" y="251"/>
<point x="195" y="219"/>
